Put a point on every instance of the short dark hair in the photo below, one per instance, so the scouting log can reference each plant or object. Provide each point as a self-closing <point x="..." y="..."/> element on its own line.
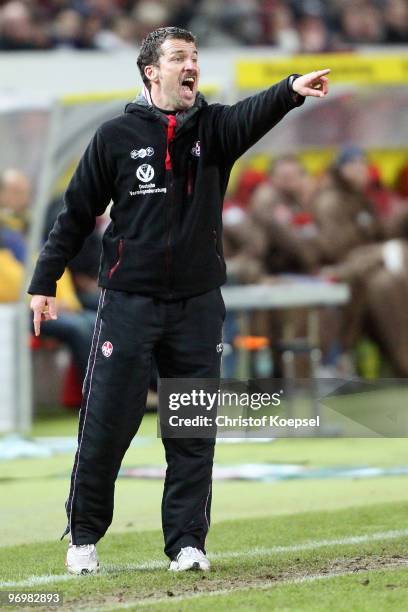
<point x="150" y="49"/>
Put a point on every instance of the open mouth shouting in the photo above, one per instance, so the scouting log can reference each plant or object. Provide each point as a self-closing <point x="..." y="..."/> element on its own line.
<point x="189" y="85"/>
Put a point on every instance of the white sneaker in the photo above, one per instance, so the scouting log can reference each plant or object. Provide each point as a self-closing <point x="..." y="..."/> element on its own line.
<point x="189" y="558"/>
<point x="82" y="559"/>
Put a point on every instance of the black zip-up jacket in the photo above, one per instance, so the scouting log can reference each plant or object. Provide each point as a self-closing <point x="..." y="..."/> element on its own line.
<point x="167" y="183"/>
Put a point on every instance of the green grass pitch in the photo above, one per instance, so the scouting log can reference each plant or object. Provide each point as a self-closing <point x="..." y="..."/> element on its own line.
<point x="329" y="544"/>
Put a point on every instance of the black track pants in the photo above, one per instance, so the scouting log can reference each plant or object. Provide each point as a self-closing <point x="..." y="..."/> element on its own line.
<point x="183" y="336"/>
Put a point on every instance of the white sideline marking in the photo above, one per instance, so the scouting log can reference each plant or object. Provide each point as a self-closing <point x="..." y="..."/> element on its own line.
<point x="233" y="554"/>
<point x="259" y="587"/>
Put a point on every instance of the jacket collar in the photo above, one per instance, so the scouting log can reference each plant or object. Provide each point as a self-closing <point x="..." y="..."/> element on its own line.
<point x="143" y="102"/>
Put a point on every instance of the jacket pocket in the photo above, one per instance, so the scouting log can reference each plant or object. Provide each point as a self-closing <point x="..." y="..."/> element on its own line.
<point x="119" y="259"/>
<point x="218" y="254"/>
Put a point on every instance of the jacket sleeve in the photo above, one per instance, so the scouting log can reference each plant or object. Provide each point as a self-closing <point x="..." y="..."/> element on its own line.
<point x="87" y="196"/>
<point x="236" y="128"/>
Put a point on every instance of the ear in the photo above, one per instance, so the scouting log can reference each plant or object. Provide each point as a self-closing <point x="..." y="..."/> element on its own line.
<point x="152" y="72"/>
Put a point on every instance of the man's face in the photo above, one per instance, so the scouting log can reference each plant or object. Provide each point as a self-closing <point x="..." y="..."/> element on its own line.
<point x="15" y="192"/>
<point x="288" y="177"/>
<point x="356" y="172"/>
<point x="174" y="82"/>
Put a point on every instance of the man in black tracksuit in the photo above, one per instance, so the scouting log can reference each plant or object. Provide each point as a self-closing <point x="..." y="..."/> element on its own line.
<point x="165" y="165"/>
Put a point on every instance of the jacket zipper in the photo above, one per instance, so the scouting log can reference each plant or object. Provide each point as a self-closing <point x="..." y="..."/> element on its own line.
<point x="117" y="264"/>
<point x="171" y="127"/>
<point x="169" y="232"/>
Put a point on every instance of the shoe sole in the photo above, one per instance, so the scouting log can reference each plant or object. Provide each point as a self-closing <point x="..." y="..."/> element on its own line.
<point x="82" y="572"/>
<point x="194" y="568"/>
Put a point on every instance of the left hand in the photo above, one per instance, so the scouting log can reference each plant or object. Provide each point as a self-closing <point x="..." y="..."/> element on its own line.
<point x="314" y="84"/>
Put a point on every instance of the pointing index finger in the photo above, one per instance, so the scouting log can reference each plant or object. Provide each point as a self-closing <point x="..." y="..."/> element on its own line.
<point x="37" y="322"/>
<point x="320" y="73"/>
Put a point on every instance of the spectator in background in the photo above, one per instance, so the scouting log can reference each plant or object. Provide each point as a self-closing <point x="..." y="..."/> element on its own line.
<point x="75" y="324"/>
<point x="361" y="23"/>
<point x="342" y="203"/>
<point x="314" y="35"/>
<point x="13" y="241"/>
<point x="241" y="18"/>
<point x="356" y="171"/>
<point x="15" y="194"/>
<point x="19" y="30"/>
<point x="16" y="27"/>
<point x="241" y="268"/>
<point x="274" y="233"/>
<point x="305" y="26"/>
<point x="182" y="11"/>
<point x="67" y="30"/>
<point x="109" y="26"/>
<point x="150" y="15"/>
<point x="267" y="239"/>
<point x="289" y="177"/>
<point x="290" y="226"/>
<point x="248" y="181"/>
<point x="351" y="237"/>
<point x="279" y="27"/>
<point x="93" y="33"/>
<point x="266" y="242"/>
<point x="122" y="34"/>
<point x="396" y="21"/>
<point x="11" y="272"/>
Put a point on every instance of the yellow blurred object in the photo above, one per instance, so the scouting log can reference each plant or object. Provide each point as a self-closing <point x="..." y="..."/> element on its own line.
<point x="11" y="277"/>
<point x="66" y="295"/>
<point x="16" y="222"/>
<point x="375" y="69"/>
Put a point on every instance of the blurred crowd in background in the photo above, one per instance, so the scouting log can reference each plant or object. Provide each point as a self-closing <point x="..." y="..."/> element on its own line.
<point x="342" y="224"/>
<point x="78" y="291"/>
<point x="304" y="26"/>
